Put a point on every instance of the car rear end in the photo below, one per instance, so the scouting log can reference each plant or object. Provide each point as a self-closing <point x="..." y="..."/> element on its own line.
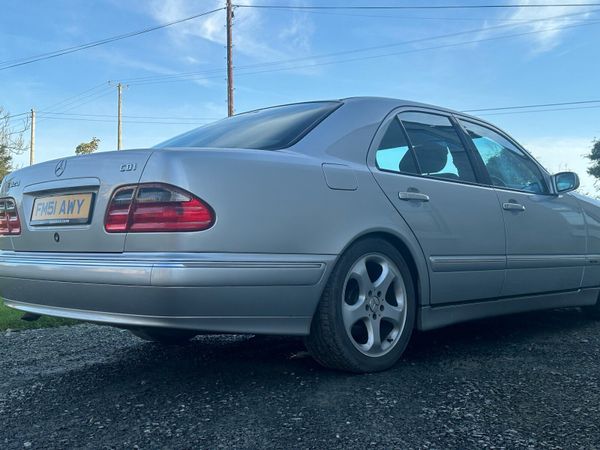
<point x="233" y="227"/>
<point x="156" y="238"/>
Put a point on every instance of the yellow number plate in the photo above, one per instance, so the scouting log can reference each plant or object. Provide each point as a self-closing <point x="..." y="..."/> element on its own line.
<point x="62" y="209"/>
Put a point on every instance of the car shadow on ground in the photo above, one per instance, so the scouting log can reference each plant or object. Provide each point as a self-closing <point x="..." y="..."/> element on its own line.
<point x="474" y="337"/>
<point x="238" y="360"/>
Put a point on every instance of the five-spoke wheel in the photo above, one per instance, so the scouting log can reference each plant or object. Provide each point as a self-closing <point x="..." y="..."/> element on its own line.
<point x="374" y="304"/>
<point x="367" y="311"/>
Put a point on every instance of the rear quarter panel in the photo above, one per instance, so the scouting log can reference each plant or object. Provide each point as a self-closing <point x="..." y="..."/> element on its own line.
<point x="266" y="202"/>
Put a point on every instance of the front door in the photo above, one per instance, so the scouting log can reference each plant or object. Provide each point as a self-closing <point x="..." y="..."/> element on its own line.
<point x="545" y="233"/>
<point x="425" y="170"/>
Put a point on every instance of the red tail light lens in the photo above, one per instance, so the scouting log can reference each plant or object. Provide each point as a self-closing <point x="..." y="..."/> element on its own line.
<point x="9" y="217"/>
<point x="156" y="207"/>
<point x="117" y="214"/>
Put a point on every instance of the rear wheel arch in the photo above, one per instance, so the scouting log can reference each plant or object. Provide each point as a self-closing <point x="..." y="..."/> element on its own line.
<point x="413" y="257"/>
<point x="335" y="341"/>
<point x="419" y="275"/>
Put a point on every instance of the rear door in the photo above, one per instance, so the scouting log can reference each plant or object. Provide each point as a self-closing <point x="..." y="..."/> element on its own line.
<point x="82" y="185"/>
<point x="545" y="233"/>
<point x="420" y="160"/>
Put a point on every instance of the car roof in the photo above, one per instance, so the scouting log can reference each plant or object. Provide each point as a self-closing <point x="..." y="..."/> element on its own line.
<point x="385" y="104"/>
<point x="389" y="102"/>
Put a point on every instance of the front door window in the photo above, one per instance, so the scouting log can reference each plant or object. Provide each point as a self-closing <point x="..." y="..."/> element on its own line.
<point x="508" y="166"/>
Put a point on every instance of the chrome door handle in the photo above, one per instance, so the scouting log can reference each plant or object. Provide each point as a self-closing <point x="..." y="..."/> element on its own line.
<point x="512" y="206"/>
<point x="414" y="196"/>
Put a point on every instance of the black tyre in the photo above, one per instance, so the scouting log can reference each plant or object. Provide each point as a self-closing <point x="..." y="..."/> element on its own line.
<point x="366" y="315"/>
<point x="164" y="336"/>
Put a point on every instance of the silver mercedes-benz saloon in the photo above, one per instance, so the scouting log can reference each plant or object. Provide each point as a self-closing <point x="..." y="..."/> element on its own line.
<point x="351" y="222"/>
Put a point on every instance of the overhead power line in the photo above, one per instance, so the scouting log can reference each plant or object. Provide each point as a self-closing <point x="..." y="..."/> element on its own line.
<point x="129" y="117"/>
<point x="543" y="105"/>
<point x="442" y="18"/>
<point x="13" y="116"/>
<point x="169" y="120"/>
<point x="187" y="76"/>
<point x="82" y="119"/>
<point x="87" y="100"/>
<point x="139" y="80"/>
<point x="82" y="100"/>
<point x="22" y="61"/>
<point x="73" y="101"/>
<point x="538" y="110"/>
<point x="76" y="97"/>
<point x="369" y="57"/>
<point x="579" y="104"/>
<point x="408" y="7"/>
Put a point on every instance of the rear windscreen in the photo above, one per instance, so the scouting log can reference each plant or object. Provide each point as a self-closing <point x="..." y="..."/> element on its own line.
<point x="264" y="129"/>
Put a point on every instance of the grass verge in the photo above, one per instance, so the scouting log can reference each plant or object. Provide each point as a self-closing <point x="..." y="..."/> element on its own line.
<point x="10" y="319"/>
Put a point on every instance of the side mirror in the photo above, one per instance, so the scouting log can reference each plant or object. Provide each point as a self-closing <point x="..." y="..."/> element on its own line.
<point x="565" y="182"/>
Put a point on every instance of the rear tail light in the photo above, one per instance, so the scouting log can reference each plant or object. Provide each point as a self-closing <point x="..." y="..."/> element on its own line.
<point x="9" y="217"/>
<point x="155" y="207"/>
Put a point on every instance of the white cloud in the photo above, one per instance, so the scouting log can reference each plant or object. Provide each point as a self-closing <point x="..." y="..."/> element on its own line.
<point x="252" y="35"/>
<point x="547" y="25"/>
<point x="121" y="60"/>
<point x="191" y="60"/>
<point x="298" y="33"/>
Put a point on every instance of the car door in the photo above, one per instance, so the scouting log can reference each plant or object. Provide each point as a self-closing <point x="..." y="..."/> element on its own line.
<point x="545" y="233"/>
<point x="422" y="164"/>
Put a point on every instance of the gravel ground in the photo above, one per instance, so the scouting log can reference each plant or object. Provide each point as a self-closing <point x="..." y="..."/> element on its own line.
<point x="515" y="382"/>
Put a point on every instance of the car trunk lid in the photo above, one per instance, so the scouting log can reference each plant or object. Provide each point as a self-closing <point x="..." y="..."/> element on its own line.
<point x="62" y="203"/>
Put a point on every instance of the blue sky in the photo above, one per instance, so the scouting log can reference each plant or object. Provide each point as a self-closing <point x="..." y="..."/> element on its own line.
<point x="556" y="58"/>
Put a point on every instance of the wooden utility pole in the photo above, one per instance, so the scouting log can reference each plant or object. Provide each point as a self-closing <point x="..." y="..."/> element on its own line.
<point x="119" y="127"/>
<point x="230" y="109"/>
<point x="32" y="141"/>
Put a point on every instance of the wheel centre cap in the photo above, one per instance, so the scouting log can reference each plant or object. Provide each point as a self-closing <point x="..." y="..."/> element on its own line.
<point x="374" y="304"/>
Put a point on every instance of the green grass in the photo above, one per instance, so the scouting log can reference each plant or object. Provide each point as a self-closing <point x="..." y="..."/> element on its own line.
<point x="11" y="319"/>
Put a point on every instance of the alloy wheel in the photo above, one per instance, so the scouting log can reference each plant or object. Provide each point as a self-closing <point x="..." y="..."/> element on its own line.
<point x="374" y="304"/>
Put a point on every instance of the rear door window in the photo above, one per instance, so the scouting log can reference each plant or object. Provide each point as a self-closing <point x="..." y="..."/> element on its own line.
<point x="437" y="147"/>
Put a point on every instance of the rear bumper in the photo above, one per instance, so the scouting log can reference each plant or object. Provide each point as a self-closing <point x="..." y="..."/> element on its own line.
<point x="238" y="293"/>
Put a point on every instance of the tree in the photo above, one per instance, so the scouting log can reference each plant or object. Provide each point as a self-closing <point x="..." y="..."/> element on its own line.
<point x="594" y="157"/>
<point x="5" y="161"/>
<point x="11" y="140"/>
<point x="86" y="148"/>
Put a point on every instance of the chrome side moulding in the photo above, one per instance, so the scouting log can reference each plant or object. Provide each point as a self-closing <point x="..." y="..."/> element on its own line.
<point x="164" y="269"/>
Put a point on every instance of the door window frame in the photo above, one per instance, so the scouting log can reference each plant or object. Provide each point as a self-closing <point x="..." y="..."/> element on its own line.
<point x="545" y="175"/>
<point x="481" y="175"/>
<point x="408" y="143"/>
